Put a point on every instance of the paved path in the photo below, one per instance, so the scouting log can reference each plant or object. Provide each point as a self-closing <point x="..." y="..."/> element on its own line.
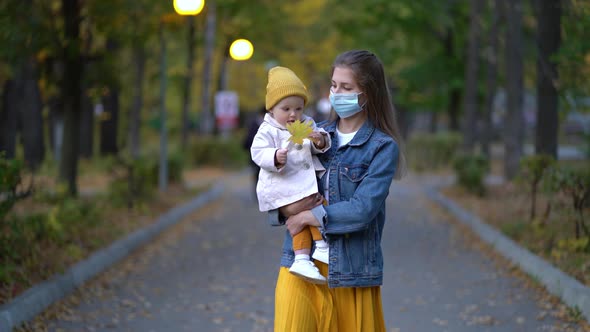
<point x="216" y="272"/>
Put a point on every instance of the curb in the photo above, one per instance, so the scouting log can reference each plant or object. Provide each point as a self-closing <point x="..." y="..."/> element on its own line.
<point x="572" y="292"/>
<point x="37" y="298"/>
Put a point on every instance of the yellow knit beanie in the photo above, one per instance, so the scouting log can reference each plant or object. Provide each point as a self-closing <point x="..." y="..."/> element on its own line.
<point x="282" y="82"/>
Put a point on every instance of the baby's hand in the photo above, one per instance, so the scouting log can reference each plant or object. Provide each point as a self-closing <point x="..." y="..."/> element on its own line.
<point x="318" y="139"/>
<point x="281" y="157"/>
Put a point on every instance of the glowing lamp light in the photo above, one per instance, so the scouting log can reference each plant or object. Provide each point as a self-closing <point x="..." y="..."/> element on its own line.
<point x="188" y="7"/>
<point x="241" y="49"/>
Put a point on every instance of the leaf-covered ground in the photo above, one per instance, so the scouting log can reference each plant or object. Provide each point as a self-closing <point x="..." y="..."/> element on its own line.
<point x="507" y="208"/>
<point x="115" y="223"/>
<point x="216" y="271"/>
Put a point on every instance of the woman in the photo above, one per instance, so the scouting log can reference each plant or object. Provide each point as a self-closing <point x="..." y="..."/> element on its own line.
<point x="364" y="158"/>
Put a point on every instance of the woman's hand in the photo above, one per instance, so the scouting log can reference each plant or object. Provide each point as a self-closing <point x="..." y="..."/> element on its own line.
<point x="303" y="204"/>
<point x="296" y="223"/>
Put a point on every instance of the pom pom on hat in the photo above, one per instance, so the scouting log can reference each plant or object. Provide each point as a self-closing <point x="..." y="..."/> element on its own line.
<point x="282" y="82"/>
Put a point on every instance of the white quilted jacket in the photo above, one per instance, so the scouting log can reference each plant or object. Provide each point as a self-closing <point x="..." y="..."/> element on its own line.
<point x="298" y="178"/>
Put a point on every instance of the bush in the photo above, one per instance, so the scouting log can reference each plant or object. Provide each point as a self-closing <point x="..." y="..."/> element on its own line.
<point x="432" y="151"/>
<point x="133" y="180"/>
<point x="212" y="151"/>
<point x="532" y="169"/>
<point x="515" y="230"/>
<point x="471" y="171"/>
<point x="21" y="237"/>
<point x="175" y="166"/>
<point x="10" y="180"/>
<point x="574" y="183"/>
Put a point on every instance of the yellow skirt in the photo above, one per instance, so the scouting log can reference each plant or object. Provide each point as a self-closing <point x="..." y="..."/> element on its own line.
<point x="301" y="306"/>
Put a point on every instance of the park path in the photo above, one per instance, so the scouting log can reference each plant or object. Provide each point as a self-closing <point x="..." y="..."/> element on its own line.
<point x="216" y="270"/>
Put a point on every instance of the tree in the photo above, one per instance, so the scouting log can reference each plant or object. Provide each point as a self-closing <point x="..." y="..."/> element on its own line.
<point x="514" y="129"/>
<point x="8" y="120"/>
<point x="548" y="43"/>
<point x="139" y="59"/>
<point x="206" y="121"/>
<point x="86" y="123"/>
<point x="110" y="123"/>
<point x="187" y="100"/>
<point x="23" y="36"/>
<point x="72" y="62"/>
<point x="420" y="43"/>
<point x="572" y="59"/>
<point x="31" y="120"/>
<point x="491" y="59"/>
<point x="471" y="81"/>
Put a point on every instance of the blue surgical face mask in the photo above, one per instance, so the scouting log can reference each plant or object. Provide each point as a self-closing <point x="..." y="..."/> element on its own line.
<point x="345" y="104"/>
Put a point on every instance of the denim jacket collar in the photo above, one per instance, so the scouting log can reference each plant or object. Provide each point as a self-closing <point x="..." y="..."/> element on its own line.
<point x="361" y="136"/>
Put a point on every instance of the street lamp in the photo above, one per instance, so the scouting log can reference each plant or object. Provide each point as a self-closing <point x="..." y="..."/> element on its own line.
<point x="182" y="7"/>
<point x="188" y="7"/>
<point x="226" y="102"/>
<point x="241" y="49"/>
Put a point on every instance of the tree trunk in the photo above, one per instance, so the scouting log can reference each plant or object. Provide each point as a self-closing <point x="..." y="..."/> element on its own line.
<point x="514" y="133"/>
<point x="222" y="81"/>
<point x="9" y="119"/>
<point x="109" y="125"/>
<point x="491" y="58"/>
<point x="453" y="109"/>
<point x="455" y="93"/>
<point x="139" y="57"/>
<point x="55" y="105"/>
<point x="186" y="105"/>
<point x="163" y="160"/>
<point x="404" y="122"/>
<point x="471" y="90"/>
<point x="21" y="115"/>
<point x="68" y="171"/>
<point x="31" y="118"/>
<point x="87" y="107"/>
<point x="548" y="42"/>
<point x="86" y="126"/>
<point x="206" y="120"/>
<point x="433" y="125"/>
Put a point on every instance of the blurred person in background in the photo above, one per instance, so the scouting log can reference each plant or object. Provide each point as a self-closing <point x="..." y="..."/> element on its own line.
<point x="252" y="129"/>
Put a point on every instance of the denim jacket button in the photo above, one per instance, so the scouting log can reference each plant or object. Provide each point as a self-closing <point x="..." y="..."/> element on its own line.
<point x="298" y="146"/>
<point x="306" y="166"/>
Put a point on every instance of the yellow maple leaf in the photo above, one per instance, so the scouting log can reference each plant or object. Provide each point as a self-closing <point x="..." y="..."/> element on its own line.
<point x="299" y="131"/>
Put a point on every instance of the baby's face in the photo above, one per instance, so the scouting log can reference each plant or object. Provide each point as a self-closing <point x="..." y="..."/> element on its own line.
<point x="288" y="110"/>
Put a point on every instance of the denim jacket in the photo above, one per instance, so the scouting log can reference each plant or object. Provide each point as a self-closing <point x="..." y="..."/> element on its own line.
<point x="360" y="174"/>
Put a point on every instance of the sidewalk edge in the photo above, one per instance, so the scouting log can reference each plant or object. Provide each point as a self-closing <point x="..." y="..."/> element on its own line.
<point x="37" y="298"/>
<point x="571" y="291"/>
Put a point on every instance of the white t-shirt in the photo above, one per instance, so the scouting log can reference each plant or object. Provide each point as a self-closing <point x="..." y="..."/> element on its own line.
<point x="342" y="140"/>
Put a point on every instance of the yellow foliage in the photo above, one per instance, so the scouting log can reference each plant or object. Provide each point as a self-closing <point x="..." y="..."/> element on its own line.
<point x="299" y="131"/>
<point x="574" y="245"/>
<point x="52" y="223"/>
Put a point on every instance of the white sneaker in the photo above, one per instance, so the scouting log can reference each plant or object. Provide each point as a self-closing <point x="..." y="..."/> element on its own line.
<point x="307" y="270"/>
<point x="322" y="254"/>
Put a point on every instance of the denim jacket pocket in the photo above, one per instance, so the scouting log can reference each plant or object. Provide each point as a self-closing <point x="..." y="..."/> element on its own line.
<point x="350" y="178"/>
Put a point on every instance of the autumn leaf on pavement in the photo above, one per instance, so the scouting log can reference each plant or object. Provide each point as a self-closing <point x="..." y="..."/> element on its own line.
<point x="299" y="131"/>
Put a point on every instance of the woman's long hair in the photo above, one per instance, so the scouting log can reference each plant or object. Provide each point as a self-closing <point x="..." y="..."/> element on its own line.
<point x="370" y="76"/>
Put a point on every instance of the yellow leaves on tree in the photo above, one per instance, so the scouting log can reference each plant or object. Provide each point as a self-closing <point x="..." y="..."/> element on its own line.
<point x="299" y="131"/>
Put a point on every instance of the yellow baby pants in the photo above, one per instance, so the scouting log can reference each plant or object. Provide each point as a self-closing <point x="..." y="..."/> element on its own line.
<point x="302" y="240"/>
